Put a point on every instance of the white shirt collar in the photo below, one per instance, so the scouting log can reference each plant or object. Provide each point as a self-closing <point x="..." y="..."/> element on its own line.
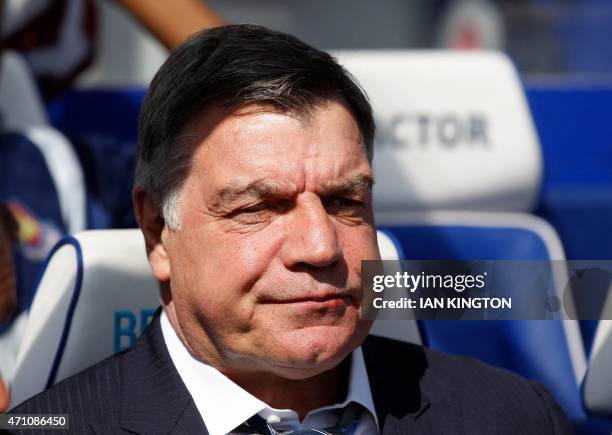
<point x="224" y="405"/>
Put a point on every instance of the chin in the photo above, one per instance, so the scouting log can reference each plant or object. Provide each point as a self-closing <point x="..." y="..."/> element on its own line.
<point x="309" y="351"/>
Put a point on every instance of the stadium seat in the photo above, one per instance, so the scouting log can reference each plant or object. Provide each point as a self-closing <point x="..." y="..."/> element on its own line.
<point x="458" y="170"/>
<point x="41" y="181"/>
<point x="95" y="297"/>
<point x="397" y="329"/>
<point x="96" y="294"/>
<point x="549" y="351"/>
<point x="40" y="176"/>
<point x="454" y="131"/>
<point x="102" y="125"/>
<point x="20" y="102"/>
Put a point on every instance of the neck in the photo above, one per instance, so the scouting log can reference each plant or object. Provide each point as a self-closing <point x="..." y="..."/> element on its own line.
<point x="302" y="395"/>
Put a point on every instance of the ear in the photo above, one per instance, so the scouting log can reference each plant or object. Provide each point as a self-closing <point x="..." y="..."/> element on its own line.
<point x="153" y="227"/>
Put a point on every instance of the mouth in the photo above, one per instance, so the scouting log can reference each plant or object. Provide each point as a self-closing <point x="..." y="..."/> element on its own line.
<point x="316" y="301"/>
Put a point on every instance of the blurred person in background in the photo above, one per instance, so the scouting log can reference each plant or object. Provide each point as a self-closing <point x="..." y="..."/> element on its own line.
<point x="57" y="37"/>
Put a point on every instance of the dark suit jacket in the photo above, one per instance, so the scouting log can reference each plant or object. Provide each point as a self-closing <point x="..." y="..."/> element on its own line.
<point x="415" y="391"/>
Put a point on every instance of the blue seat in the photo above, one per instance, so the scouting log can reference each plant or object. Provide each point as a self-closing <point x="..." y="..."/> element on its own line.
<point x="103" y="125"/>
<point x="549" y="351"/>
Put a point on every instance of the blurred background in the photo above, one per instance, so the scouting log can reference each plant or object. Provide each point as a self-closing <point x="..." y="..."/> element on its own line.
<point x="560" y="48"/>
<point x="558" y="41"/>
<point x="74" y="73"/>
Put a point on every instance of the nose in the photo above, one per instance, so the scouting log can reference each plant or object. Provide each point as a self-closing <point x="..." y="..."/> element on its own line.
<point x="311" y="238"/>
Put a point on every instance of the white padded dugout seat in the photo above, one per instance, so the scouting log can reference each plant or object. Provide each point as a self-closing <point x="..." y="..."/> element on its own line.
<point x="90" y="282"/>
<point x="20" y="101"/>
<point x="454" y="131"/>
<point x="95" y="297"/>
<point x="397" y="329"/>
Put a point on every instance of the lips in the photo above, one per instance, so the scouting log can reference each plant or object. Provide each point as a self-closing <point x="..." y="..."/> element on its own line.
<point x="313" y="297"/>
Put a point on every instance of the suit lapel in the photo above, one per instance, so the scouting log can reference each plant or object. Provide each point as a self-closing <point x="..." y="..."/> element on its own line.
<point x="155" y="400"/>
<point x="189" y="422"/>
<point x="404" y="403"/>
<point x="153" y="396"/>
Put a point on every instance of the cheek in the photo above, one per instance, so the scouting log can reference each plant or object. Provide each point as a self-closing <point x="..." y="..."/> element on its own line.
<point x="214" y="271"/>
<point x="244" y="259"/>
<point x="359" y="244"/>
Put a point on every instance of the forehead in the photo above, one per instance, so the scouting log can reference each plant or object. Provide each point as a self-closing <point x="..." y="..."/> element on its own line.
<point x="324" y="145"/>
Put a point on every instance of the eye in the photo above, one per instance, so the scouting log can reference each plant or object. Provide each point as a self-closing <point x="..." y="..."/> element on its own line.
<point x="345" y="205"/>
<point x="347" y="202"/>
<point x="253" y="213"/>
<point x="254" y="208"/>
<point x="259" y="212"/>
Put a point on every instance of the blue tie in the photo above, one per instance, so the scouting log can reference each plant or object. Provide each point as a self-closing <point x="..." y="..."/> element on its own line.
<point x="347" y="424"/>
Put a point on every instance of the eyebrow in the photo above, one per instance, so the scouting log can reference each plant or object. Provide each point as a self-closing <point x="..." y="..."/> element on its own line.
<point x="254" y="189"/>
<point x="358" y="185"/>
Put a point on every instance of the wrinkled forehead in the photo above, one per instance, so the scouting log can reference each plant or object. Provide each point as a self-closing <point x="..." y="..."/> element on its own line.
<point x="255" y="142"/>
<point x="208" y="120"/>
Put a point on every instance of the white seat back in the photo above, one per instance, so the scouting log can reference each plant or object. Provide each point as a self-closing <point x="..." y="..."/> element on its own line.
<point x="94" y="291"/>
<point x="20" y="102"/>
<point x="454" y="131"/>
<point x="397" y="329"/>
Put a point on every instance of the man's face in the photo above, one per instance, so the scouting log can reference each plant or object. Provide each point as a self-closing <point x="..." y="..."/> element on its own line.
<point x="276" y="216"/>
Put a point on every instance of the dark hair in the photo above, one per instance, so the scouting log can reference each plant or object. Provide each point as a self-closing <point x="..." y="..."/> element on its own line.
<point x="233" y="66"/>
